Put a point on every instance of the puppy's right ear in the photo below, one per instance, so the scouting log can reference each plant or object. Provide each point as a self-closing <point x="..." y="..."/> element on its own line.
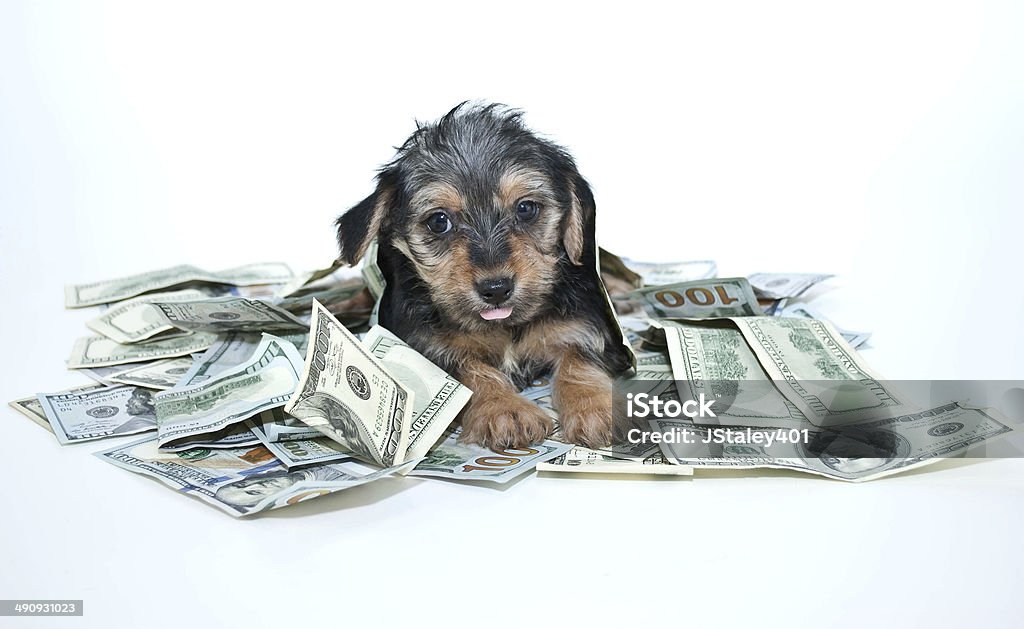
<point x="364" y="222"/>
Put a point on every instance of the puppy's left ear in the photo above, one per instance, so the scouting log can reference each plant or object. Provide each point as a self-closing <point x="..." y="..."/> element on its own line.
<point x="579" y="221"/>
<point x="364" y="222"/>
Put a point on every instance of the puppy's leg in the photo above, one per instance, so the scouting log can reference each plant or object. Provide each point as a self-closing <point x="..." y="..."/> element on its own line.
<point x="582" y="393"/>
<point x="497" y="417"/>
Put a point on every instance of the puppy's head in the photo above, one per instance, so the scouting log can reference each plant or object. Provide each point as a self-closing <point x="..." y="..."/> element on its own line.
<point x="486" y="212"/>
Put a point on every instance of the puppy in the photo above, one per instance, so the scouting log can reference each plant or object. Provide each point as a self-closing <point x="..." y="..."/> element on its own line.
<point x="486" y="241"/>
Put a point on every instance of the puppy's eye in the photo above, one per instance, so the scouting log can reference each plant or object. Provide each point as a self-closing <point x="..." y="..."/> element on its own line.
<point x="439" y="223"/>
<point x="527" y="210"/>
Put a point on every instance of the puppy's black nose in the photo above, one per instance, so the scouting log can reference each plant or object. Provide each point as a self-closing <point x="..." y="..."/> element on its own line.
<point x="495" y="290"/>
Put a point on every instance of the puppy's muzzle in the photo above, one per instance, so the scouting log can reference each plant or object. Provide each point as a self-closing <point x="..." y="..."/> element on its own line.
<point x="495" y="290"/>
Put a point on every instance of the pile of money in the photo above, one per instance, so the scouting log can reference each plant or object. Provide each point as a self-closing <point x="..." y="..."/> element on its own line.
<point x="253" y="388"/>
<point x="258" y="389"/>
<point x="791" y="389"/>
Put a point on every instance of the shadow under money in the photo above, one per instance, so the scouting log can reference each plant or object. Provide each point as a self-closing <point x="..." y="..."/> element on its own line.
<point x="617" y="477"/>
<point x="382" y="489"/>
<point x="701" y="473"/>
<point x="352" y="498"/>
<point x="479" y="485"/>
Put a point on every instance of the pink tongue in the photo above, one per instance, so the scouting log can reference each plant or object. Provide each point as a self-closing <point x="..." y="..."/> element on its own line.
<point x="495" y="313"/>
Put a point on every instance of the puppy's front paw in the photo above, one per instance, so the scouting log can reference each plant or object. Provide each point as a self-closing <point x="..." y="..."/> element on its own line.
<point x="586" y="416"/>
<point x="504" y="421"/>
<point x="583" y="396"/>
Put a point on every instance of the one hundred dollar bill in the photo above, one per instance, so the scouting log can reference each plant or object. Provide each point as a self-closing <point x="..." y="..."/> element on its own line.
<point x="346" y="393"/>
<point x="337" y="298"/>
<point x="229" y="351"/>
<point x="372" y="275"/>
<point x="661" y="273"/>
<point x="136" y="320"/>
<point x="84" y="415"/>
<point x="99" y="351"/>
<point x="300" y="282"/>
<point x="462" y="461"/>
<point x="713" y="360"/>
<point x="264" y="381"/>
<point x="818" y="371"/>
<point x="614" y="272"/>
<point x="772" y="307"/>
<point x="784" y="285"/>
<point x="226" y="354"/>
<point x="32" y="408"/>
<point x="852" y="453"/>
<point x="102" y="375"/>
<point x="580" y="460"/>
<point x="803" y="311"/>
<point x="227" y="314"/>
<point x="653" y="365"/>
<point x="635" y="327"/>
<point x="280" y="426"/>
<point x="538" y="388"/>
<point x="438" y="396"/>
<point x="701" y="299"/>
<point x="160" y="374"/>
<point x="79" y="295"/>
<point x="540" y="393"/>
<point x="233" y="436"/>
<point x="301" y="452"/>
<point x="239" y="481"/>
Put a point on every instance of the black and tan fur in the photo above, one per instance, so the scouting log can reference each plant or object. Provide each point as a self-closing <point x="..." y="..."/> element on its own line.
<point x="482" y="168"/>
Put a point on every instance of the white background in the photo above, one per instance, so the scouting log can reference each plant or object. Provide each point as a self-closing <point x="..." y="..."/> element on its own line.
<point x="882" y="142"/>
